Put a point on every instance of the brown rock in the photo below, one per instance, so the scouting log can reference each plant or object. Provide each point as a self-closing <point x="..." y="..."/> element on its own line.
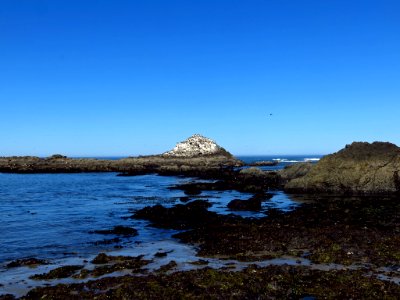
<point x="359" y="168"/>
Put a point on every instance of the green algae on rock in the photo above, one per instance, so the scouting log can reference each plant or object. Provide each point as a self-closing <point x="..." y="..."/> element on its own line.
<point x="282" y="282"/>
<point x="360" y="168"/>
<point x="61" y="272"/>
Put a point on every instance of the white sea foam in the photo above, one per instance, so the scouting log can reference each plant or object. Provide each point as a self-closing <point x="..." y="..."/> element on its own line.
<point x="285" y="160"/>
<point x="312" y="159"/>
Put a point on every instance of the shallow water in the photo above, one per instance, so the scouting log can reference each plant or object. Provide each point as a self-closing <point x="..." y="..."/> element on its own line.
<point x="51" y="215"/>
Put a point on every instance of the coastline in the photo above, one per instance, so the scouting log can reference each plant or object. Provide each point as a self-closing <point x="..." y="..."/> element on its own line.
<point x="337" y="236"/>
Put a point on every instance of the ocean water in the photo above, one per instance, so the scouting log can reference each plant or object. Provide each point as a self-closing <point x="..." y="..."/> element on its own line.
<point x="51" y="216"/>
<point x="283" y="160"/>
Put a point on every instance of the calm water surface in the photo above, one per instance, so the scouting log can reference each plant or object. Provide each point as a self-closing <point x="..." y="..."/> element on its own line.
<point x="52" y="215"/>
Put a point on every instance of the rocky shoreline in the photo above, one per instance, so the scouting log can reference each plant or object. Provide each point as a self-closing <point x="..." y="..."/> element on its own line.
<point x="358" y="169"/>
<point x="347" y="232"/>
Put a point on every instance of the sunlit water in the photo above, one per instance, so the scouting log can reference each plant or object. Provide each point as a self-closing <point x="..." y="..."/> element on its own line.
<point x="51" y="216"/>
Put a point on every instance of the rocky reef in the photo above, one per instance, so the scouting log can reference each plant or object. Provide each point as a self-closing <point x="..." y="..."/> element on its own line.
<point x="359" y="168"/>
<point x="197" y="154"/>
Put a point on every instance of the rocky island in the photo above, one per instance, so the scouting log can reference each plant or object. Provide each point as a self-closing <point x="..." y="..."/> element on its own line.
<point x="197" y="153"/>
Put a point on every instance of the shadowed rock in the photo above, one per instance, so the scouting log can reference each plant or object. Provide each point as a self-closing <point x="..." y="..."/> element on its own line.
<point x="252" y="204"/>
<point x="118" y="230"/>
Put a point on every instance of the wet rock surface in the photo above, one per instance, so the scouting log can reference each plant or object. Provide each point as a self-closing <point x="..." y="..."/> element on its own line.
<point x="341" y="231"/>
<point x="118" y="230"/>
<point x="274" y="282"/>
<point x="239" y="181"/>
<point x="252" y="204"/>
<point x="30" y="262"/>
<point x="107" y="264"/>
<point x="61" y="272"/>
<point x="359" y="168"/>
<point x="193" y="214"/>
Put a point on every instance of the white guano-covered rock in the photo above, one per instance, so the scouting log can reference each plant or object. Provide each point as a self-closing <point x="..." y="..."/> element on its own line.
<point x="196" y="145"/>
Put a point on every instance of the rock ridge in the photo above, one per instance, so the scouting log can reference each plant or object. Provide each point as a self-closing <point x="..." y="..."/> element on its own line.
<point x="359" y="168"/>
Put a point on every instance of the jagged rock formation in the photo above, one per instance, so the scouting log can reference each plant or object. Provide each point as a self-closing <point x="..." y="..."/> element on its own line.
<point x="359" y="168"/>
<point x="197" y="145"/>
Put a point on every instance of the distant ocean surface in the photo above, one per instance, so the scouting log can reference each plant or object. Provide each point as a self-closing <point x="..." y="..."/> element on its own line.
<point x="283" y="160"/>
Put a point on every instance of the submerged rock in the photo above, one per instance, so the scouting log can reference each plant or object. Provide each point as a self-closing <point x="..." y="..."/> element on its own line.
<point x="31" y="262"/>
<point x="264" y="163"/>
<point x="252" y="204"/>
<point x="359" y="168"/>
<point x="118" y="230"/>
<point x="61" y="272"/>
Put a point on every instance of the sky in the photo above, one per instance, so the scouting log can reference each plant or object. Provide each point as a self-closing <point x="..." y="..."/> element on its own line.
<point x="118" y="78"/>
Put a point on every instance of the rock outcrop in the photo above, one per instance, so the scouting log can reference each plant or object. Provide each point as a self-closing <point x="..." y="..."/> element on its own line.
<point x="359" y="168"/>
<point x="197" y="145"/>
<point x="195" y="156"/>
<point x="294" y="171"/>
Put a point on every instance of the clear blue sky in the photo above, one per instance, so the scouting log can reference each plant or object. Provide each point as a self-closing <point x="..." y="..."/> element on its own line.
<point x="135" y="77"/>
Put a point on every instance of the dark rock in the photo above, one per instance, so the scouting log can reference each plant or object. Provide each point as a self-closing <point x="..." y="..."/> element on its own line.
<point x="251" y="204"/>
<point x="184" y="199"/>
<point x="264" y="163"/>
<point x="118" y="230"/>
<point x="273" y="282"/>
<point x="168" y="267"/>
<point x="111" y="264"/>
<point x="178" y="217"/>
<point x="192" y="191"/>
<point x="7" y="297"/>
<point x="27" y="262"/>
<point x="61" y="272"/>
<point x="103" y="258"/>
<point x="57" y="156"/>
<point x="162" y="254"/>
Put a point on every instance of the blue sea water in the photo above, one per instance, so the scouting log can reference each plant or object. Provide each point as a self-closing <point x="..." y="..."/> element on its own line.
<point x="283" y="160"/>
<point x="52" y="215"/>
